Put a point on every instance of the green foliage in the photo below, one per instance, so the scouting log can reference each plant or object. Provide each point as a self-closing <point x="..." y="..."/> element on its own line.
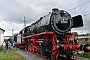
<point x="87" y="34"/>
<point x="1" y="48"/>
<point x="85" y="42"/>
<point x="82" y="35"/>
<point x="85" y="55"/>
<point x="10" y="48"/>
<point x="74" y="35"/>
<point x="15" y="34"/>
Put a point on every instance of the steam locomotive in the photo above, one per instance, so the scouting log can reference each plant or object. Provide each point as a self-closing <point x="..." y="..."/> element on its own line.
<point x="50" y="35"/>
<point x="58" y="21"/>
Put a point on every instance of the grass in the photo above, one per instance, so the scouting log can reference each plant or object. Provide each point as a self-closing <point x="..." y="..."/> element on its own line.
<point x="10" y="55"/>
<point x="1" y="49"/>
<point x="83" y="54"/>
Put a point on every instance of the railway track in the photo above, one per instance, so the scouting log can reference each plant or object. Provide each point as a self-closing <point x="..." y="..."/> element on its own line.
<point x="32" y="56"/>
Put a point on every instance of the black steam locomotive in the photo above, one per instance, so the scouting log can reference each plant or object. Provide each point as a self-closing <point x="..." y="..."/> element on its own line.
<point x="58" y="21"/>
<point x="51" y="32"/>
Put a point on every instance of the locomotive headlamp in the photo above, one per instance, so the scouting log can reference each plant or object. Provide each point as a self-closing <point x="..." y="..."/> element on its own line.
<point x="64" y="21"/>
<point x="64" y="12"/>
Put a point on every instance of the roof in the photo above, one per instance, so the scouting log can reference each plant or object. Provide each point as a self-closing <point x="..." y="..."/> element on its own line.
<point x="2" y="29"/>
<point x="74" y="33"/>
<point x="83" y="36"/>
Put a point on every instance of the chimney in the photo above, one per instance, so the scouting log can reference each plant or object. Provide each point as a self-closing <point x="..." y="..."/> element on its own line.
<point x="55" y="9"/>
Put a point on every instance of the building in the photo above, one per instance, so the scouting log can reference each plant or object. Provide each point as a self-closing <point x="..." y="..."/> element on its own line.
<point x="1" y="35"/>
<point x="83" y="38"/>
<point x="7" y="37"/>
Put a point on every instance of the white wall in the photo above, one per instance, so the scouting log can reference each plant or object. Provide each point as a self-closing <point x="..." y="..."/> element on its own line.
<point x="19" y="38"/>
<point x="1" y="39"/>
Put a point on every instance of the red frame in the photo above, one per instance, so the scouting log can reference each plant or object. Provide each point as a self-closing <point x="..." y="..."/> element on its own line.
<point x="33" y="46"/>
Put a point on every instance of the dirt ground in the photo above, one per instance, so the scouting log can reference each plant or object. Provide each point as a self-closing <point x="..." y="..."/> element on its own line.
<point x="30" y="56"/>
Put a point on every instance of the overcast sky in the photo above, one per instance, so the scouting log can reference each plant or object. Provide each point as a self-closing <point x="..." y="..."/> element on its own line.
<point x="12" y="12"/>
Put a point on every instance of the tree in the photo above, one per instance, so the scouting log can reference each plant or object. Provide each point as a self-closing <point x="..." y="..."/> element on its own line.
<point x="87" y="34"/>
<point x="15" y="34"/>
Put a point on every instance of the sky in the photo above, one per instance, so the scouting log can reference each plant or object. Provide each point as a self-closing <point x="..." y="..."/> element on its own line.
<point x="12" y="12"/>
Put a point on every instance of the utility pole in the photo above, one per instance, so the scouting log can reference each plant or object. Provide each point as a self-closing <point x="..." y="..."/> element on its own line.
<point x="89" y="30"/>
<point x="24" y="22"/>
<point x="12" y="35"/>
<point x="75" y="10"/>
<point x="12" y="31"/>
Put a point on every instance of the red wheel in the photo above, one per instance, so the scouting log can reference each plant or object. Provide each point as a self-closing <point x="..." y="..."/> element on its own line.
<point x="28" y="49"/>
<point x="31" y="48"/>
<point x="53" y="57"/>
<point x="37" y="50"/>
<point x="25" y="49"/>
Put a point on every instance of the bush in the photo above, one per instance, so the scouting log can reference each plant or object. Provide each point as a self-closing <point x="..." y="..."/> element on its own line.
<point x="85" y="55"/>
<point x="10" y="48"/>
<point x="85" y="42"/>
<point x="89" y="55"/>
<point x="1" y="48"/>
